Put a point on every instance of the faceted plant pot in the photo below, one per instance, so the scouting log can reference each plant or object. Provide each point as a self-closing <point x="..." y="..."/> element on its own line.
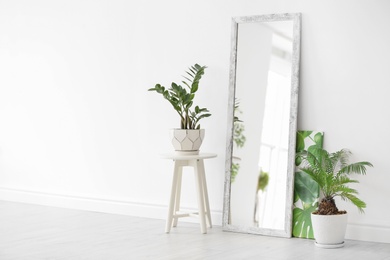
<point x="187" y="141"/>
<point x="329" y="230"/>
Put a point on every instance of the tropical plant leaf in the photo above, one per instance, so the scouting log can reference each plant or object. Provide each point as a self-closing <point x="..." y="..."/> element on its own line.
<point x="319" y="139"/>
<point x="296" y="197"/>
<point x="306" y="188"/>
<point x="298" y="160"/>
<point x="305" y="134"/>
<point x="300" y="143"/>
<point x="302" y="226"/>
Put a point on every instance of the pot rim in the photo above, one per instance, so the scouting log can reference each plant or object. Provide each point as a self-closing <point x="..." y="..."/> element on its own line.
<point x="187" y="129"/>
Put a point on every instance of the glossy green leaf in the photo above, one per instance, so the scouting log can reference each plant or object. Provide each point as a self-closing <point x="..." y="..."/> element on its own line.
<point x="319" y="139"/>
<point x="296" y="197"/>
<point x="298" y="160"/>
<point x="302" y="226"/>
<point x="300" y="144"/>
<point x="306" y="188"/>
<point x="305" y="134"/>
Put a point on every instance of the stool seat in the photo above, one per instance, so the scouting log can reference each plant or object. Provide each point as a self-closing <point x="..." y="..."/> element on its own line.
<point x="195" y="161"/>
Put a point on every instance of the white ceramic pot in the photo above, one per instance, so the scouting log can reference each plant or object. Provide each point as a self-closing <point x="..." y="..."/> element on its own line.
<point x="187" y="140"/>
<point x="329" y="230"/>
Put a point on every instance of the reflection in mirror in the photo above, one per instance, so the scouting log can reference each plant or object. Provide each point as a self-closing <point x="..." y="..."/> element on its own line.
<point x="262" y="124"/>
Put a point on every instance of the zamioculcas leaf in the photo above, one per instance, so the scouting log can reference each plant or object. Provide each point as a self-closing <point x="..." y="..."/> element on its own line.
<point x="194" y="88"/>
<point x="185" y="83"/>
<point x="189" y="105"/>
<point x="191" y="75"/>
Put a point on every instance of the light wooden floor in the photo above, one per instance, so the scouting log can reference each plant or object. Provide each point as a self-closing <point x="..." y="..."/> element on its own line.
<point x="30" y="232"/>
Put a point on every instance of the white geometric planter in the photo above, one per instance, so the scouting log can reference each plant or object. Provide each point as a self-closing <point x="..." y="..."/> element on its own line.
<point x="329" y="230"/>
<point x="187" y="140"/>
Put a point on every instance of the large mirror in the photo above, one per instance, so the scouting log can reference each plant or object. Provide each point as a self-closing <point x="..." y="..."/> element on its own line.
<point x="264" y="79"/>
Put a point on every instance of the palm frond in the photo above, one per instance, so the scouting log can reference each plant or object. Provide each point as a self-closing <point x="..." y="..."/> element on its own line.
<point x="339" y="159"/>
<point x="358" y="168"/>
<point x="342" y="190"/>
<point x="361" y="205"/>
<point x="345" y="180"/>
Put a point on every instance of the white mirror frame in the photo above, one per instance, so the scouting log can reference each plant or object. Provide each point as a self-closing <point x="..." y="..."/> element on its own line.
<point x="296" y="18"/>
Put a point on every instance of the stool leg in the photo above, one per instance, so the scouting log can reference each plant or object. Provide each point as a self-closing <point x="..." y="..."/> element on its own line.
<point x="177" y="197"/>
<point x="172" y="199"/>
<point x="199" y="190"/>
<point x="205" y="193"/>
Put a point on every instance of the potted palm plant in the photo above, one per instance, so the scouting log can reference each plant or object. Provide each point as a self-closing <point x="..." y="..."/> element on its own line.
<point x="331" y="171"/>
<point x="189" y="136"/>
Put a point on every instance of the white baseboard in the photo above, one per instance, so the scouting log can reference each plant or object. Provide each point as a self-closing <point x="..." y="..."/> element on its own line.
<point x="379" y="234"/>
<point x="122" y="207"/>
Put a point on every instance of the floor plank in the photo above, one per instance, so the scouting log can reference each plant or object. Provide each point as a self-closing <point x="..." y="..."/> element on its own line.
<point x="34" y="232"/>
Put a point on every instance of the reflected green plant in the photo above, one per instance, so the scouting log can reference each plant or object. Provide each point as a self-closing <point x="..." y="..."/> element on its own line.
<point x="263" y="180"/>
<point x="238" y="137"/>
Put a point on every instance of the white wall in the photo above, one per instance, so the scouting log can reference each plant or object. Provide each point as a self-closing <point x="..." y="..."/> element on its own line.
<point x="78" y="128"/>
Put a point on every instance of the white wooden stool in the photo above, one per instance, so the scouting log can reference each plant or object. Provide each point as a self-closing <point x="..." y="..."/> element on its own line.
<point x="195" y="161"/>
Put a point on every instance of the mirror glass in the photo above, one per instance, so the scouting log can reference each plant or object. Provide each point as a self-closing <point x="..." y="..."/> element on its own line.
<point x="263" y="98"/>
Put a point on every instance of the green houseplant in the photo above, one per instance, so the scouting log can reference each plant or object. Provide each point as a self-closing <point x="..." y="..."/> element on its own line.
<point x="306" y="191"/>
<point x="332" y="172"/>
<point x="190" y="135"/>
